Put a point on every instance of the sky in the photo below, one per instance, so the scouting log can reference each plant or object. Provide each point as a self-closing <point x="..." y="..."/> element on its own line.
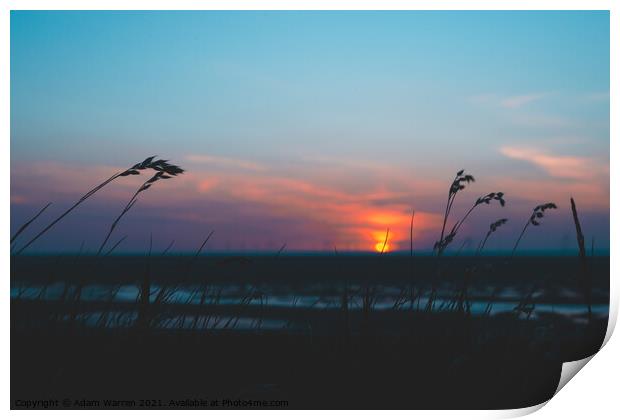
<point x="311" y="129"/>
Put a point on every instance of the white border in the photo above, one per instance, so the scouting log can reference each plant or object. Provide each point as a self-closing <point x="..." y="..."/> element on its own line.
<point x="592" y="394"/>
<point x="309" y="5"/>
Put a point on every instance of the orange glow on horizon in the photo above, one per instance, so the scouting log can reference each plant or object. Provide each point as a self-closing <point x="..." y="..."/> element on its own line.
<point x="379" y="247"/>
<point x="382" y="240"/>
<point x="353" y="219"/>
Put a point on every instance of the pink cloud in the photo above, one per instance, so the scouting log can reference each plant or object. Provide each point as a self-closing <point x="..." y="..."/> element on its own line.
<point x="512" y="102"/>
<point x="350" y="216"/>
<point x="591" y="196"/>
<point x="558" y="166"/>
<point x="307" y="205"/>
<point x="354" y="219"/>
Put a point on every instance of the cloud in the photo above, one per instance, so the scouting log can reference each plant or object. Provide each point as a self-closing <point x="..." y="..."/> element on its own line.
<point x="222" y="161"/>
<point x="591" y="196"/>
<point x="512" y="102"/>
<point x="520" y="100"/>
<point x="313" y="204"/>
<point x="353" y="220"/>
<point x="308" y="206"/>
<point x="207" y="185"/>
<point x="569" y="167"/>
<point x="585" y="178"/>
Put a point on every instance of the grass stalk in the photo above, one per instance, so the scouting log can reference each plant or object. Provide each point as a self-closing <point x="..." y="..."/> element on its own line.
<point x="585" y="278"/>
<point x="25" y="225"/>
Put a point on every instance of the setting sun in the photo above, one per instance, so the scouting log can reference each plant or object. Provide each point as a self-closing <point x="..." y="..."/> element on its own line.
<point x="382" y="240"/>
<point x="379" y="247"/>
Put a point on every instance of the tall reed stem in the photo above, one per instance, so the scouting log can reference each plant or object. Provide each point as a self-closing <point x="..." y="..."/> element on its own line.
<point x="514" y="249"/>
<point x="69" y="210"/>
<point x="25" y="225"/>
<point x="584" y="261"/>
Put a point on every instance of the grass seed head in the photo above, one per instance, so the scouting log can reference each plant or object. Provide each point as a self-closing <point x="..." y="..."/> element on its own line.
<point x="459" y="181"/>
<point x="539" y="212"/>
<point x="493" y="227"/>
<point x="498" y="196"/>
<point x="159" y="165"/>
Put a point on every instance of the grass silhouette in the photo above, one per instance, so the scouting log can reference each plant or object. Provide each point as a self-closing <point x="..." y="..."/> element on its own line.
<point x="537" y="214"/>
<point x="585" y="278"/>
<point x="492" y="228"/>
<point x="360" y="337"/>
<point x="165" y="173"/>
<point x="458" y="184"/>
<point x="148" y="163"/>
<point x="23" y="227"/>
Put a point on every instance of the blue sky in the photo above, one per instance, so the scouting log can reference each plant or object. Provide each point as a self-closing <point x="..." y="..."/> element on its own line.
<point x="361" y="104"/>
